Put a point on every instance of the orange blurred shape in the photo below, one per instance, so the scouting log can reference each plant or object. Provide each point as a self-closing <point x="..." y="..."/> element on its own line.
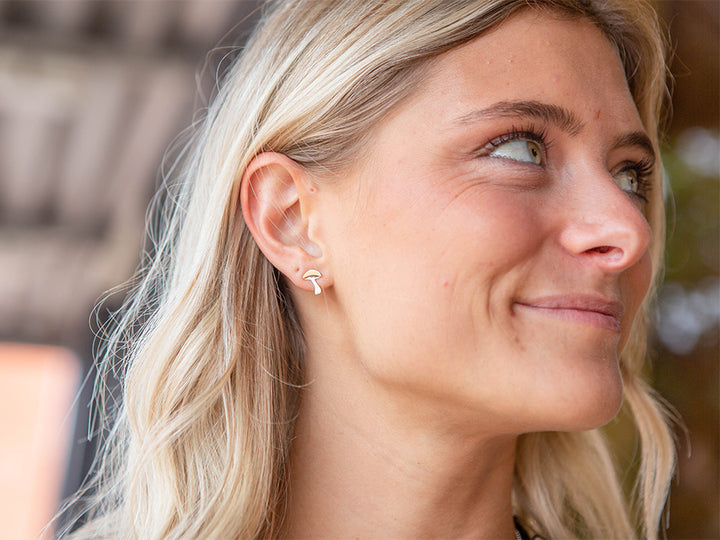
<point x="37" y="386"/>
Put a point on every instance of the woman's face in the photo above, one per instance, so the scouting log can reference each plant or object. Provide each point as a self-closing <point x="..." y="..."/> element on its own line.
<point x="489" y="258"/>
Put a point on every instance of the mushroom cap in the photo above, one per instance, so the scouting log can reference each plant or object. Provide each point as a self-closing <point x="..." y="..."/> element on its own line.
<point x="312" y="274"/>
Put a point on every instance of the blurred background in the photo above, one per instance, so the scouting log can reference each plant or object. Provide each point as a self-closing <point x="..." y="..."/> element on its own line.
<point x="93" y="93"/>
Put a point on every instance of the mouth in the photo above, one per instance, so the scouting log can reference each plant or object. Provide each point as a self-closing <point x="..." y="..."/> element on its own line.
<point x="581" y="309"/>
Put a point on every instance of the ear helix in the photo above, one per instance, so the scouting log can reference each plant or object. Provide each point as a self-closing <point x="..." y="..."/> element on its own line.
<point x="313" y="275"/>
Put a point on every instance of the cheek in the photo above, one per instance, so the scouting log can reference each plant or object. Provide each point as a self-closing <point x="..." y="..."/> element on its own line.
<point x="635" y="286"/>
<point x="640" y="279"/>
<point x="419" y="281"/>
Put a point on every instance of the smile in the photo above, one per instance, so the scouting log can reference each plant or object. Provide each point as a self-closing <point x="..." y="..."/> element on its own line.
<point x="592" y="311"/>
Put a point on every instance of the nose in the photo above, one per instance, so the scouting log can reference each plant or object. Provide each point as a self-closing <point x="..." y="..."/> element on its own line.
<point x="605" y="226"/>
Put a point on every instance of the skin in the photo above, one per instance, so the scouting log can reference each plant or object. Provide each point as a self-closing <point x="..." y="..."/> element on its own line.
<point x="462" y="283"/>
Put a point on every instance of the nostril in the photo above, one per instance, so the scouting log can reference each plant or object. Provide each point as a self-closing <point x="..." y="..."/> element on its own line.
<point x="609" y="254"/>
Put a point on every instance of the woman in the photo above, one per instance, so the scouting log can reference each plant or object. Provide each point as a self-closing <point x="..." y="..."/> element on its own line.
<point x="402" y="282"/>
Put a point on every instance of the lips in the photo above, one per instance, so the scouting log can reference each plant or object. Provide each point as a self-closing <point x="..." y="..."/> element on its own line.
<point x="582" y="309"/>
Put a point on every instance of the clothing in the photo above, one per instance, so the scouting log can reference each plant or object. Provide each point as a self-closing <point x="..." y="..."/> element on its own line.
<point x="524" y="535"/>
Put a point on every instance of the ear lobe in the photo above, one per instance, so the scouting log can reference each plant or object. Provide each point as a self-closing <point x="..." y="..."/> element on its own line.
<point x="276" y="208"/>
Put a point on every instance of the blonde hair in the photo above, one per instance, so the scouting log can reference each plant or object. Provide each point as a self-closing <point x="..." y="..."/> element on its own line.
<point x="208" y="343"/>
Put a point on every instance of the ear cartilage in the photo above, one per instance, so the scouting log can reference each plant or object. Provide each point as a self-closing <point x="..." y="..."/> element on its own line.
<point x="313" y="275"/>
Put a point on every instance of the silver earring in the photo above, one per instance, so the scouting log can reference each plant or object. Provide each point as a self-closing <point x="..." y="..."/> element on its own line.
<point x="313" y="275"/>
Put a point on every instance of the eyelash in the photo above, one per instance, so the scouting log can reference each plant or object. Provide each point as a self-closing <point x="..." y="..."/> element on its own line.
<point x="529" y="133"/>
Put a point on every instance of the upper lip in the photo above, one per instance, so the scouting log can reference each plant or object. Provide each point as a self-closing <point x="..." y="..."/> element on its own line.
<point x="580" y="302"/>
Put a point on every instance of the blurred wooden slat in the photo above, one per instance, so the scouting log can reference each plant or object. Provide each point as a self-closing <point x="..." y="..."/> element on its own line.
<point x="26" y="179"/>
<point x="33" y="105"/>
<point x="155" y="121"/>
<point x="89" y="152"/>
<point x="147" y="23"/>
<point x="199" y="21"/>
<point x="63" y="16"/>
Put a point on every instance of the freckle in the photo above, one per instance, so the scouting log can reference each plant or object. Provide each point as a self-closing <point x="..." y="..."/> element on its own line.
<point x="597" y="114"/>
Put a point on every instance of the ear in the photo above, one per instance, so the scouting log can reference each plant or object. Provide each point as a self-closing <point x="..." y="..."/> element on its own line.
<point x="276" y="196"/>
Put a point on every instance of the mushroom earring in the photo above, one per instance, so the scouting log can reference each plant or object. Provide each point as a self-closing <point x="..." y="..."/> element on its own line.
<point x="313" y="275"/>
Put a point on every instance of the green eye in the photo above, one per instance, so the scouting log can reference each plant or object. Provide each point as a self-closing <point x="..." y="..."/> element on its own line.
<point x="519" y="150"/>
<point x="634" y="177"/>
<point x="627" y="180"/>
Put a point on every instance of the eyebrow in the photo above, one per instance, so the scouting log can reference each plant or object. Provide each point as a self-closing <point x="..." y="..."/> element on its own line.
<point x="555" y="114"/>
<point x="638" y="139"/>
<point x="547" y="112"/>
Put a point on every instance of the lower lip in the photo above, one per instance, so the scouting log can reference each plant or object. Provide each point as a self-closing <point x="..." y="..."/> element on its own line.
<point x="579" y="316"/>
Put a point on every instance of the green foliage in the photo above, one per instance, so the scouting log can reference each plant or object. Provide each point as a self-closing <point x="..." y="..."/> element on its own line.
<point x="693" y="220"/>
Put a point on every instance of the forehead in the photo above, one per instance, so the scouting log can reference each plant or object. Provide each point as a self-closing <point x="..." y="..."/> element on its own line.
<point x="535" y="55"/>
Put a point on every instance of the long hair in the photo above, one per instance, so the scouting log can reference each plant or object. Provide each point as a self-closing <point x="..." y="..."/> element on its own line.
<point x="208" y="343"/>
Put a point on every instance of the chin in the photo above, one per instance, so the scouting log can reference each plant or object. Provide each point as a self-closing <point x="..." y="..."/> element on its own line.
<point x="578" y="399"/>
<point x="592" y="388"/>
<point x="594" y="406"/>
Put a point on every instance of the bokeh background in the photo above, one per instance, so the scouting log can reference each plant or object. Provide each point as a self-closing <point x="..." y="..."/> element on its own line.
<point x="92" y="95"/>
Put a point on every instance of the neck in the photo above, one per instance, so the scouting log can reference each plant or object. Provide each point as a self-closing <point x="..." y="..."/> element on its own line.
<point x="364" y="469"/>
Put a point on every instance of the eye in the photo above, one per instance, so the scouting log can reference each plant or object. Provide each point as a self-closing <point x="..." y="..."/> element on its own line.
<point x="634" y="178"/>
<point x="627" y="180"/>
<point x="519" y="150"/>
